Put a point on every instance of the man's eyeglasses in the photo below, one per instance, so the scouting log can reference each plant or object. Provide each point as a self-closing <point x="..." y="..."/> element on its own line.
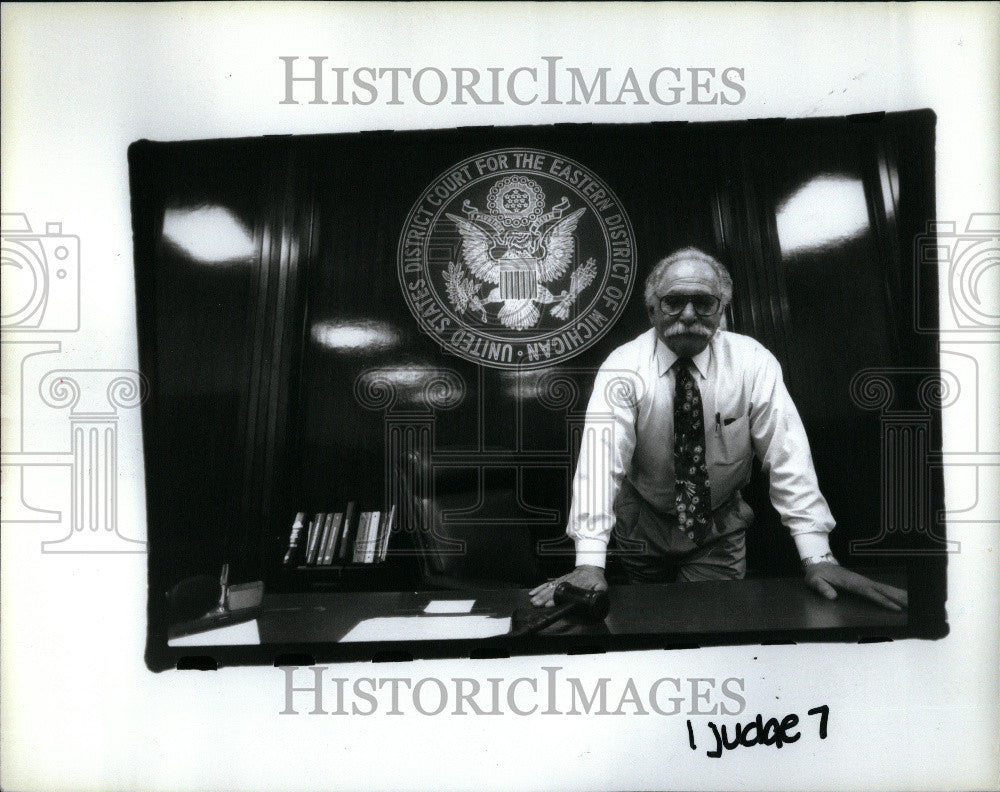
<point x="703" y="304"/>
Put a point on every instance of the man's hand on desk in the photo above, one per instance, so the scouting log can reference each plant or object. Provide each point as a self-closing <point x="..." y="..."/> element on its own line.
<point x="828" y="579"/>
<point x="584" y="576"/>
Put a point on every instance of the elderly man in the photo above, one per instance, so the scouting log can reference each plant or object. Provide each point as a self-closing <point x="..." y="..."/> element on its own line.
<point x="673" y="423"/>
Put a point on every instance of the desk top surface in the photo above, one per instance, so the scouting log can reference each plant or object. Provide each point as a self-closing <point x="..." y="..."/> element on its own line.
<point x="764" y="605"/>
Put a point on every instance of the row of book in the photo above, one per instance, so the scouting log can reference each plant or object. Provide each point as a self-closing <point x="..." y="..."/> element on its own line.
<point x="349" y="536"/>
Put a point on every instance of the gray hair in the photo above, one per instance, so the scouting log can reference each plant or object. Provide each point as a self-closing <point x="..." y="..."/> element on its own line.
<point x="688" y="254"/>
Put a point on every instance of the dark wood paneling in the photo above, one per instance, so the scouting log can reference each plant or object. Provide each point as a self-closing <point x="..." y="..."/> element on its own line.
<point x="251" y="419"/>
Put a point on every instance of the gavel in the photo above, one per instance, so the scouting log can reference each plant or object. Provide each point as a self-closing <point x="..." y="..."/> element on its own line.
<point x="570" y="600"/>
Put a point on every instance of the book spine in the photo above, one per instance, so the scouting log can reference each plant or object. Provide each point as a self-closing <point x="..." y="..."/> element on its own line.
<point x="326" y="530"/>
<point x="382" y="522"/>
<point x="359" y="538"/>
<point x="369" y="536"/>
<point x="323" y="529"/>
<point x="364" y="521"/>
<point x="294" y="539"/>
<point x="387" y="526"/>
<point x="331" y="540"/>
<point x="349" y="529"/>
<point x="373" y="537"/>
<point x="358" y="532"/>
<point x="313" y="541"/>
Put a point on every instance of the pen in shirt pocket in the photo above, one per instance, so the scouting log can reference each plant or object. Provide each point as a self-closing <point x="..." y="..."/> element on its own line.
<point x="719" y="423"/>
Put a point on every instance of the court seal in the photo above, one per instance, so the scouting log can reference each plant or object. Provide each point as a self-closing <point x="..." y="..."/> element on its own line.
<point x="517" y="258"/>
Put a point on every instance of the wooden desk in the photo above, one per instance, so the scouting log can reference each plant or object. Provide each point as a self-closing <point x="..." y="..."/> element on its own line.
<point x="307" y="628"/>
<point x="690" y="609"/>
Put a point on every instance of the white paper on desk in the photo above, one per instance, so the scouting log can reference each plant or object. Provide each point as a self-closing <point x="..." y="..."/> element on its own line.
<point x="427" y="628"/>
<point x="449" y="606"/>
<point x="243" y="634"/>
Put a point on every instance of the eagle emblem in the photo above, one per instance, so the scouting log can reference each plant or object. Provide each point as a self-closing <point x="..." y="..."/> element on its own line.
<point x="509" y="253"/>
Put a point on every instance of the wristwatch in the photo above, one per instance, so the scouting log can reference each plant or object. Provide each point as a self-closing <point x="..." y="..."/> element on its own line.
<point x="826" y="558"/>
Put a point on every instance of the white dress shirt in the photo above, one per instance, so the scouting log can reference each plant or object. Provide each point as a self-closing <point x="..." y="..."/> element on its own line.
<point x="629" y="431"/>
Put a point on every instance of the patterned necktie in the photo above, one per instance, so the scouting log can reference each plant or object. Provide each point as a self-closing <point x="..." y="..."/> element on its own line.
<point x="694" y="498"/>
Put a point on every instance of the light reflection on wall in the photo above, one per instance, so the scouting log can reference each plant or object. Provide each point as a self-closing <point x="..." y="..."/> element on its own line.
<point x="414" y="384"/>
<point x="360" y="336"/>
<point x="525" y="384"/>
<point x="208" y="234"/>
<point x="828" y="210"/>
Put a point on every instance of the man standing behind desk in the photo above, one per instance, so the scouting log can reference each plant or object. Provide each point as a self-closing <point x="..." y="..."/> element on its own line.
<point x="673" y="423"/>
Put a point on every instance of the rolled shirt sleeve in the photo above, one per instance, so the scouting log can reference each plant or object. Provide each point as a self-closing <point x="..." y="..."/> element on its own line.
<point x="606" y="448"/>
<point x="780" y="442"/>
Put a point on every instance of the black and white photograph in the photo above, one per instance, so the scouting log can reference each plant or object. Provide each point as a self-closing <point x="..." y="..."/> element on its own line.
<point x="497" y="387"/>
<point x="425" y="395"/>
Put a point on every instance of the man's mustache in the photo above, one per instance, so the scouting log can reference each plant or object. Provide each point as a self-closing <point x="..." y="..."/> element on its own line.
<point x="695" y="329"/>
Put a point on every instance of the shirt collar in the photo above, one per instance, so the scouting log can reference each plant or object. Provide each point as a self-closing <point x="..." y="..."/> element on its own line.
<point x="665" y="357"/>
